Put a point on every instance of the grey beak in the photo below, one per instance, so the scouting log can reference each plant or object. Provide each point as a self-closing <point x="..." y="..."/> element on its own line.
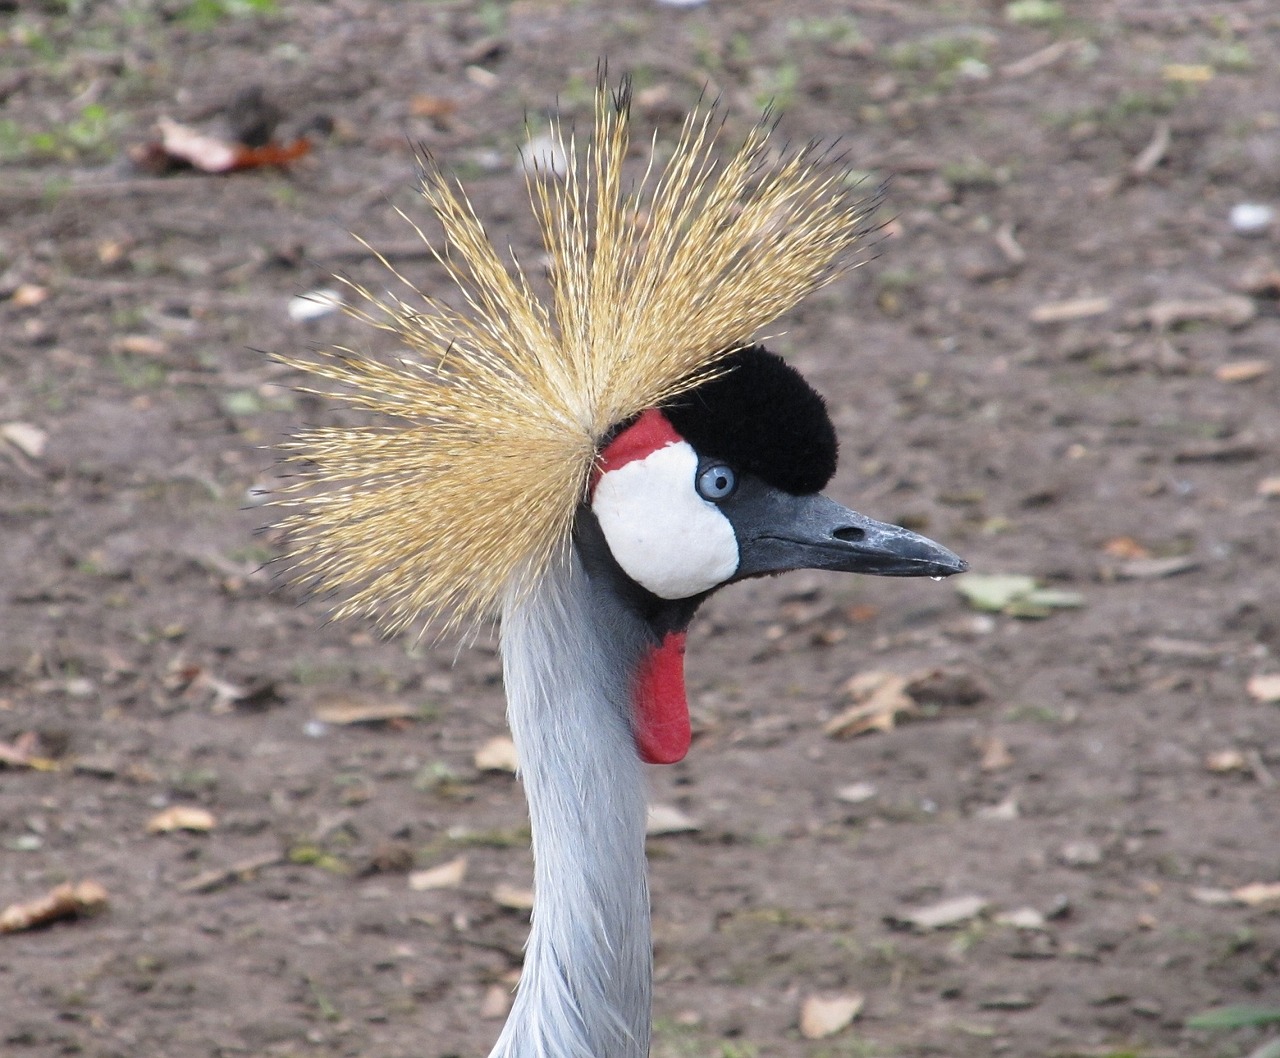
<point x="778" y="532"/>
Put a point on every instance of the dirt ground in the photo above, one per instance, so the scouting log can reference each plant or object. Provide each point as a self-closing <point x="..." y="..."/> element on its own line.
<point x="1062" y="364"/>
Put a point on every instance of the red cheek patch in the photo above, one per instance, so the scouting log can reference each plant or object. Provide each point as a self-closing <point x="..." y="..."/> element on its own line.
<point x="660" y="710"/>
<point x="642" y="438"/>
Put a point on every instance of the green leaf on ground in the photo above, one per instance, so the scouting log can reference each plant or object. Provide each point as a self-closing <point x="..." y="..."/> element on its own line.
<point x="1015" y="594"/>
<point x="1239" y="1016"/>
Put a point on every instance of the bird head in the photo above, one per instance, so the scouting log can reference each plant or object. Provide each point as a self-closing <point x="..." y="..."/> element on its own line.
<point x="722" y="484"/>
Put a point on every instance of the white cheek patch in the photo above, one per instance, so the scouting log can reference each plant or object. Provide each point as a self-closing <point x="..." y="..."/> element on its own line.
<point x="666" y="537"/>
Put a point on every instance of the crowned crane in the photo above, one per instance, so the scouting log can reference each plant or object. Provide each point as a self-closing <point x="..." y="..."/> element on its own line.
<point x="588" y="470"/>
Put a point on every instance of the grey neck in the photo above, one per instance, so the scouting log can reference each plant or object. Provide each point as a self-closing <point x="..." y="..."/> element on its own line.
<point x="569" y="648"/>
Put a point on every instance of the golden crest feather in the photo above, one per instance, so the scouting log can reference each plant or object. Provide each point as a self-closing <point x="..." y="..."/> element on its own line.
<point x="487" y="426"/>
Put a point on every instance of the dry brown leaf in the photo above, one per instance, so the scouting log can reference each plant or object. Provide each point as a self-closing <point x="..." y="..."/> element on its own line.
<point x="1242" y="370"/>
<point x="1022" y="918"/>
<point x="1229" y="310"/>
<point x="28" y="296"/>
<point x="1188" y="72"/>
<point x="428" y="106"/>
<point x="1067" y="311"/>
<point x="1238" y="449"/>
<point x="66" y="901"/>
<point x="823" y="1016"/>
<point x="443" y="876"/>
<point x="995" y="753"/>
<point x="667" y="819"/>
<point x="498" y="754"/>
<point x="140" y="345"/>
<point x="28" y="439"/>
<point x="1002" y="811"/>
<point x="1153" y="568"/>
<point x="343" y="714"/>
<point x="1264" y="687"/>
<point x="181" y="817"/>
<point x="207" y="881"/>
<point x="24" y="752"/>
<point x="213" y="154"/>
<point x="496" y="1002"/>
<point x="878" y="698"/>
<point x="513" y="897"/>
<point x="209" y="154"/>
<point x="1225" y="760"/>
<point x="1212" y="897"/>
<point x="1125" y="547"/>
<point x="943" y="914"/>
<point x="1256" y="893"/>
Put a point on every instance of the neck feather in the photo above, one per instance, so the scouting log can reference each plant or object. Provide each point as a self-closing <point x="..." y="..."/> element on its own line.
<point x="569" y="655"/>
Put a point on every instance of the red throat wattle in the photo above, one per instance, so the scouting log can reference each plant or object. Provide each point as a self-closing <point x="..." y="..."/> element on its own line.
<point x="660" y="711"/>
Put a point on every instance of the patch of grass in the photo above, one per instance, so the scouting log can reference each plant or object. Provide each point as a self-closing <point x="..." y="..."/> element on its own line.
<point x="306" y="855"/>
<point x="849" y="1047"/>
<point x="1239" y="1016"/>
<point x="839" y="32"/>
<point x="134" y="372"/>
<point x="1043" y="14"/>
<point x="943" y="58"/>
<point x="497" y="838"/>
<point x="202" y="15"/>
<point x="775" y="86"/>
<point x="1230" y="56"/>
<point x="90" y="134"/>
<point x="974" y="174"/>
<point x="324" y="1005"/>
<point x="1039" y="714"/>
<point x="1125" y="108"/>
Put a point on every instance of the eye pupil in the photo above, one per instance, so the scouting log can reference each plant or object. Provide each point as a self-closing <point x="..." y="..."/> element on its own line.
<point x="717" y="482"/>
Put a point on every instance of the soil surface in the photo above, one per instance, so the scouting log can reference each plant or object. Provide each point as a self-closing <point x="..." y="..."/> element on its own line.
<point x="1062" y="363"/>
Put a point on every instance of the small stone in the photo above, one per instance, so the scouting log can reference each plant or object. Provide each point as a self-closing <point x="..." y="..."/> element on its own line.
<point x="1022" y="918"/>
<point x="1080" y="854"/>
<point x="544" y="156"/>
<point x="1251" y="219"/>
<point x="1223" y="760"/>
<point x="1002" y="811"/>
<point x="855" y="793"/>
<point x="314" y="305"/>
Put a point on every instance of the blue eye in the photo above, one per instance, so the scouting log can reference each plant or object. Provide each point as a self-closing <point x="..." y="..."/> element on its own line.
<point x="717" y="482"/>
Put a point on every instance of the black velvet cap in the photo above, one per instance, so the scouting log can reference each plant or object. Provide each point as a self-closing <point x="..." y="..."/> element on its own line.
<point x="761" y="417"/>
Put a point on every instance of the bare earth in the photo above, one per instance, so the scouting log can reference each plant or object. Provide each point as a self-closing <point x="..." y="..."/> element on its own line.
<point x="1105" y="770"/>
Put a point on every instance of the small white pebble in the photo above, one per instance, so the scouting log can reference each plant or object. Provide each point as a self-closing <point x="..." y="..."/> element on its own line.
<point x="314" y="305"/>
<point x="544" y="156"/>
<point x="856" y="793"/>
<point x="1080" y="854"/>
<point x="1022" y="918"/>
<point x="315" y="729"/>
<point x="1251" y="219"/>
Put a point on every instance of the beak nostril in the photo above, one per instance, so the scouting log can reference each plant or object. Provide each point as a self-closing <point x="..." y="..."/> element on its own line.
<point x="850" y="534"/>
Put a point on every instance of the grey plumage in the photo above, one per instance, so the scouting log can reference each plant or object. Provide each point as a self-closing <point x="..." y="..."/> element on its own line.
<point x="568" y="650"/>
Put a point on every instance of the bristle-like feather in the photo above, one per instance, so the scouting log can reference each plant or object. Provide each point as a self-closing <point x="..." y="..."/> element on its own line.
<point x="492" y="417"/>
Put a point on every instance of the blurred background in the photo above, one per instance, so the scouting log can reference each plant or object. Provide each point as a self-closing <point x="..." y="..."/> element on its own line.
<point x="1032" y="811"/>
